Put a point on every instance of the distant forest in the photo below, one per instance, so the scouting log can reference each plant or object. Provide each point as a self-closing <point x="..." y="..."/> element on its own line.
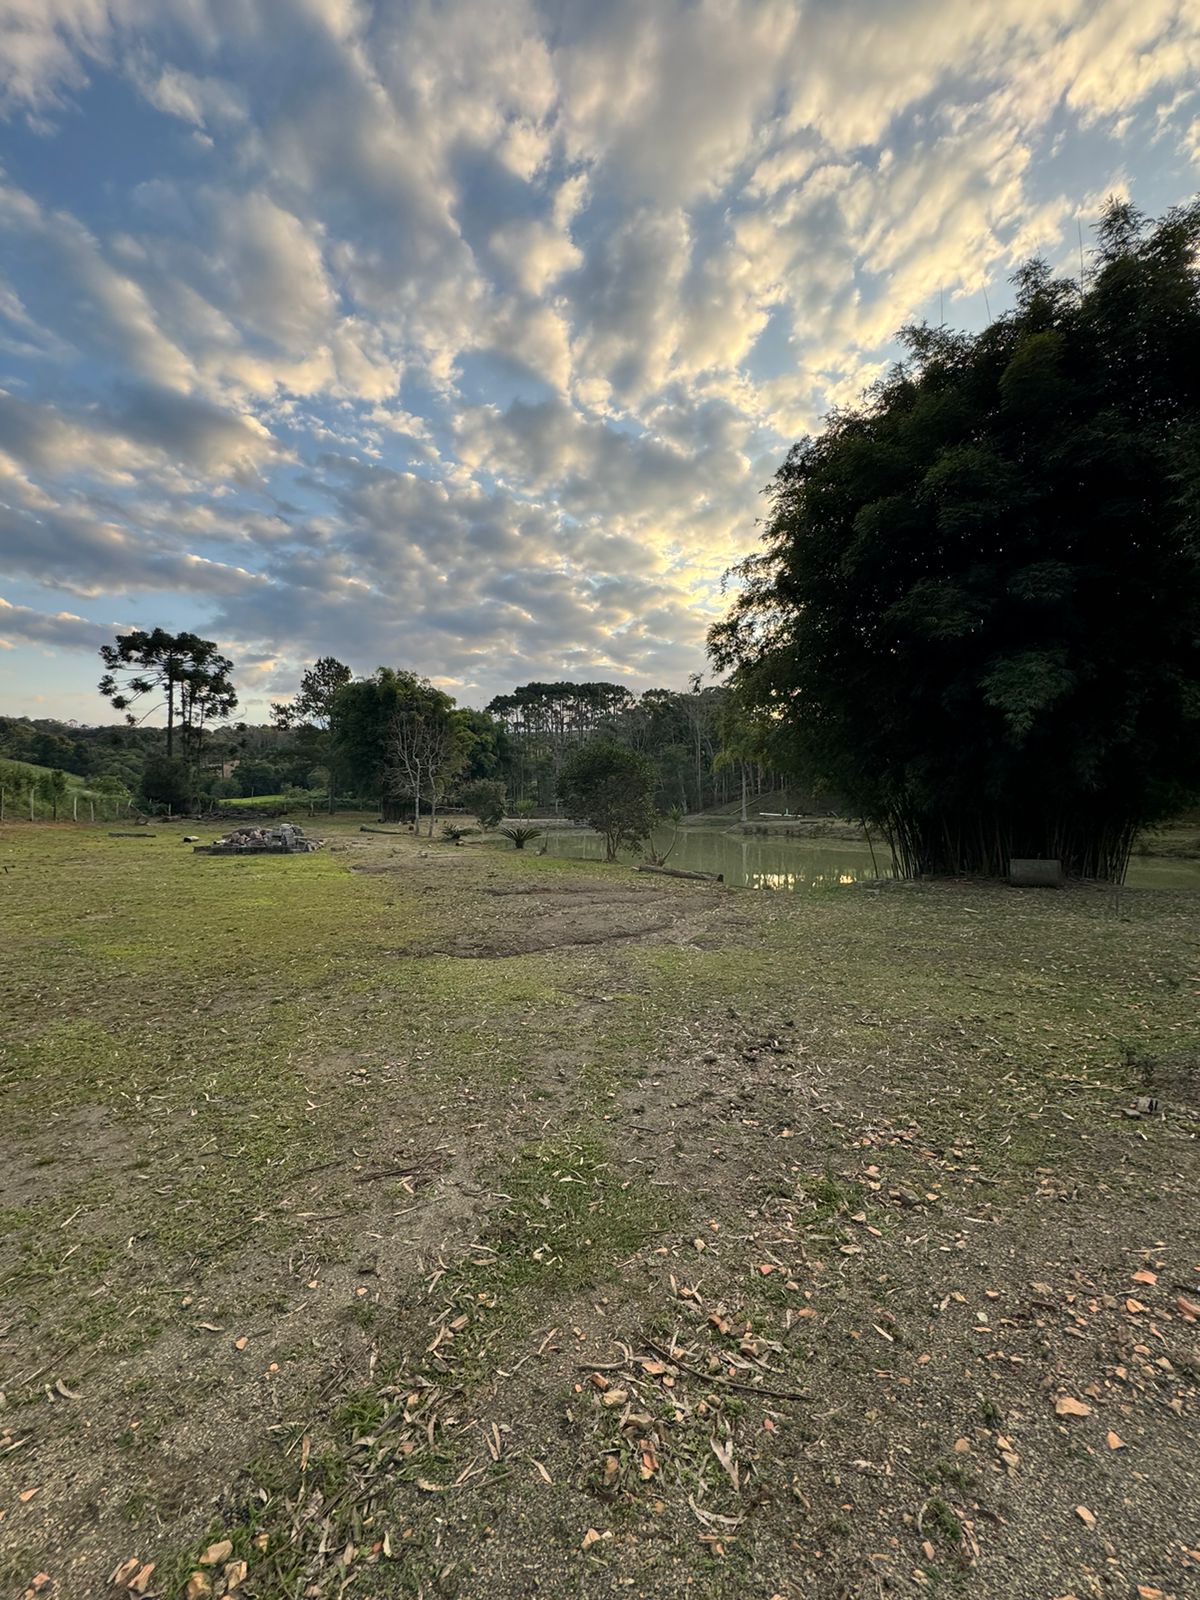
<point x="702" y="755"/>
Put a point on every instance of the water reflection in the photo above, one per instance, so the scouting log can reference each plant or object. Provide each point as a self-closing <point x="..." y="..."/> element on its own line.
<point x="754" y="861"/>
<point x="790" y="865"/>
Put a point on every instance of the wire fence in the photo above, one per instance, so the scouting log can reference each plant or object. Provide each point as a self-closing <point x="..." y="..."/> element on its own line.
<point x="27" y="805"/>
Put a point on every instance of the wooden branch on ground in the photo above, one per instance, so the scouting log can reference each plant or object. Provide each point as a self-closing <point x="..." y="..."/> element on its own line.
<point x="676" y="872"/>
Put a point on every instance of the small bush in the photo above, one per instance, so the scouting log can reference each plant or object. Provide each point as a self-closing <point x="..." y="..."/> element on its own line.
<point x="521" y="836"/>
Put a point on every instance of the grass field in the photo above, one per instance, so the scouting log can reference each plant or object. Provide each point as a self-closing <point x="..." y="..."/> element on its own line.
<point x="434" y="1221"/>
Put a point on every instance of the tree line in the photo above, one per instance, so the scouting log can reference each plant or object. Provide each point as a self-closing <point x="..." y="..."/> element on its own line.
<point x="974" y="620"/>
<point x="390" y="740"/>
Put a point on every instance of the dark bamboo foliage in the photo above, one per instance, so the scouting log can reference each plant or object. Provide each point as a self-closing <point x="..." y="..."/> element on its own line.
<point x="977" y="610"/>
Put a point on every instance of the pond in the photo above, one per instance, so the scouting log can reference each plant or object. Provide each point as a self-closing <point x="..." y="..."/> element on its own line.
<point x="764" y="861"/>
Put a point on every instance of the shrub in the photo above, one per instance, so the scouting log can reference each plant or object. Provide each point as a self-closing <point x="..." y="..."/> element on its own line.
<point x="611" y="788"/>
<point x="521" y="836"/>
<point x="484" y="799"/>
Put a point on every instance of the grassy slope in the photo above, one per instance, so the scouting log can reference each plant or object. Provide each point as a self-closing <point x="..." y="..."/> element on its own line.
<point x="74" y="781"/>
<point x="249" y="1098"/>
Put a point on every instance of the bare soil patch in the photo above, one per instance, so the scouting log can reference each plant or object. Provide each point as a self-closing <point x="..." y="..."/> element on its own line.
<point x="521" y="921"/>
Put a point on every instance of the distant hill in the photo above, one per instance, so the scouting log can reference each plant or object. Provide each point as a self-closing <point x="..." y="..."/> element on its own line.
<point x="34" y="772"/>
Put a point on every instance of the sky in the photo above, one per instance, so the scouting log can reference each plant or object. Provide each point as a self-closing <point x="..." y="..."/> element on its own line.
<point x="464" y="336"/>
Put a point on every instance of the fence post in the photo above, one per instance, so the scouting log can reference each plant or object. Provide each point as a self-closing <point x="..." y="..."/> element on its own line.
<point x="31" y="802"/>
<point x="1" y="805"/>
<point x="75" y="808"/>
<point x="92" y="806"/>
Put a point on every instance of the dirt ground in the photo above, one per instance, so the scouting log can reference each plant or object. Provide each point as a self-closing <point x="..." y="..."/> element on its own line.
<point x="411" y="1220"/>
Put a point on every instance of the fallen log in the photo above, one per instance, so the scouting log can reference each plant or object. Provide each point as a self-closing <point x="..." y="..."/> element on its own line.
<point x="675" y="872"/>
<point x="141" y="835"/>
<point x="395" y="833"/>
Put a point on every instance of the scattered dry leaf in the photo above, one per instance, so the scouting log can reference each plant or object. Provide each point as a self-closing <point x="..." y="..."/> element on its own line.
<point x="1146" y="1276"/>
<point x="723" y="1450"/>
<point x="1114" y="1440"/>
<point x="1085" y="1516"/>
<point x="140" y="1581"/>
<point x="221" y="1551"/>
<point x="590" y="1538"/>
<point x="614" y="1397"/>
<point x="1134" y="1307"/>
<point x="197" y="1587"/>
<point x="26" y="1495"/>
<point x="1188" y="1309"/>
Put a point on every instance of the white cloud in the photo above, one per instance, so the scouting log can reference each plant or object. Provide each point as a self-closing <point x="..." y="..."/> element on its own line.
<point x="466" y="334"/>
<point x="60" y="630"/>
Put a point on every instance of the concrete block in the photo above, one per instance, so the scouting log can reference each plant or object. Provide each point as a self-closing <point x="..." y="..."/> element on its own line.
<point x="1029" y="873"/>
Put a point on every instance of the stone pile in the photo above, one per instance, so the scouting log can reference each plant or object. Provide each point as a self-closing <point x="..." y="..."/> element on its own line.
<point x="284" y="840"/>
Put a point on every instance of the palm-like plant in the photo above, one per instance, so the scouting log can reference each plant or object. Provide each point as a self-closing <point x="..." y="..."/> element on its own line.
<point x="521" y="836"/>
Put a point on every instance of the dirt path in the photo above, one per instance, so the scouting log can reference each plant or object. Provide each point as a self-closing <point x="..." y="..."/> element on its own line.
<point x="469" y="1224"/>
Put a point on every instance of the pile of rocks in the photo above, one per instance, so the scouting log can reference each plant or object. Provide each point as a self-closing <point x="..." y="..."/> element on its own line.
<point x="284" y="840"/>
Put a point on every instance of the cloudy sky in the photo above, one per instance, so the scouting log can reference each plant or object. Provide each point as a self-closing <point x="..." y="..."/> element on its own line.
<point x="463" y="336"/>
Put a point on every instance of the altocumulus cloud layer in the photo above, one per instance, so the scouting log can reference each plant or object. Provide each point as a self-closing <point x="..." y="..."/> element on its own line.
<point x="463" y="335"/>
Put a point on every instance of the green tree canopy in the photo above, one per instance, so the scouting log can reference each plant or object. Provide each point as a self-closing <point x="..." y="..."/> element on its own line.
<point x="310" y="713"/>
<point x="484" y="798"/>
<point x="397" y="737"/>
<point x="611" y="788"/>
<point x="313" y="703"/>
<point x="978" y="607"/>
<point x="167" y="781"/>
<point x="189" y="673"/>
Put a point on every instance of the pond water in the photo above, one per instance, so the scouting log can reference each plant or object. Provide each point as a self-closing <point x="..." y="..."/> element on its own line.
<point x="763" y="861"/>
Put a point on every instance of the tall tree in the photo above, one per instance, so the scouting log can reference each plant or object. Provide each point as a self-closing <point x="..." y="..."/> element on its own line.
<point x="313" y="703"/>
<point x="977" y="614"/>
<point x="312" y="709"/>
<point x="425" y="749"/>
<point x="190" y="674"/>
<point x="388" y="737"/>
<point x="543" y="721"/>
